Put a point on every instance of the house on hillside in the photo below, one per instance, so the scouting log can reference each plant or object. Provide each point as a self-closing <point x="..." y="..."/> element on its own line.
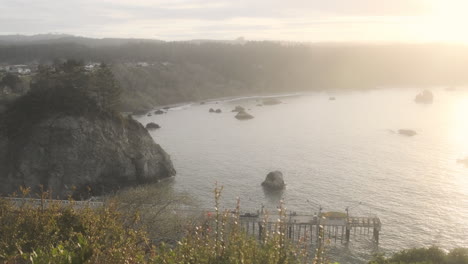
<point x="92" y="66"/>
<point x="142" y="64"/>
<point x="19" y="69"/>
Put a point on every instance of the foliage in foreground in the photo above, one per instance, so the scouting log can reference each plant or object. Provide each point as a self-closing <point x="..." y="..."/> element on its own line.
<point x="55" y="233"/>
<point x="432" y="255"/>
<point x="221" y="240"/>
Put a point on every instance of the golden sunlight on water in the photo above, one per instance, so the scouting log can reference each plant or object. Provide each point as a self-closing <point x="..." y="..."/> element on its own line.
<point x="459" y="135"/>
<point x="335" y="154"/>
<point x="459" y="122"/>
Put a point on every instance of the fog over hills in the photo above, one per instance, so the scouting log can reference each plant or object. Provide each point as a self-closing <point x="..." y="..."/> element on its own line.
<point x="156" y="72"/>
<point x="52" y="38"/>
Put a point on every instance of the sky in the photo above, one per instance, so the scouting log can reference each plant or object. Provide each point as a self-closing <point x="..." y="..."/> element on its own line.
<point x="288" y="20"/>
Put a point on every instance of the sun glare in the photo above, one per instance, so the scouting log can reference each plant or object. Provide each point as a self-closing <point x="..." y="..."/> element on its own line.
<point x="446" y="21"/>
<point x="459" y="124"/>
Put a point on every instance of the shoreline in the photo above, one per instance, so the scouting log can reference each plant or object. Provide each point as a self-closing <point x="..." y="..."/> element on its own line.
<point x="219" y="99"/>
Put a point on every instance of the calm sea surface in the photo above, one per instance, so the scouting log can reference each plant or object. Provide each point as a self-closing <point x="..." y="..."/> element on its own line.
<point x="335" y="154"/>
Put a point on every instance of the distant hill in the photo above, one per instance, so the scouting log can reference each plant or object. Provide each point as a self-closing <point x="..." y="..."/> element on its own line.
<point x="153" y="72"/>
<point x="64" y="38"/>
<point x="95" y="42"/>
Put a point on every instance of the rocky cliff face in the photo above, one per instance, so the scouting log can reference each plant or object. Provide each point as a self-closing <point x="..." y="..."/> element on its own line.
<point x="72" y="154"/>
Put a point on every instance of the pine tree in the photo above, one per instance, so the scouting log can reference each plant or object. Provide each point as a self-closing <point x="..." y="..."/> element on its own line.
<point x="104" y="89"/>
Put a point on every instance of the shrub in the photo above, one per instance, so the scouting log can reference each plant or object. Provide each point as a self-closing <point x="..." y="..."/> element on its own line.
<point x="56" y="233"/>
<point x="431" y="255"/>
<point x="222" y="240"/>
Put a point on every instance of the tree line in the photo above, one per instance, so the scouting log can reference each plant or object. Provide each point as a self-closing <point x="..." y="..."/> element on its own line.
<point x="184" y="71"/>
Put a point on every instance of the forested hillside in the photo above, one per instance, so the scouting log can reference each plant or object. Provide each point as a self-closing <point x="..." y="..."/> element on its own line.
<point x="183" y="71"/>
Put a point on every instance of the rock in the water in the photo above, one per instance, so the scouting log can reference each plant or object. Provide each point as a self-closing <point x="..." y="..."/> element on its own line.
<point x="274" y="180"/>
<point x="148" y="114"/>
<point x="159" y="112"/>
<point x="238" y="109"/>
<point x="211" y="110"/>
<point x="243" y="115"/>
<point x="407" y="132"/>
<point x="218" y="111"/>
<point x="332" y="98"/>
<point x="202" y="103"/>
<point x="426" y="97"/>
<point x="152" y="126"/>
<point x="271" y="101"/>
<point x="70" y="153"/>
<point x="259" y="105"/>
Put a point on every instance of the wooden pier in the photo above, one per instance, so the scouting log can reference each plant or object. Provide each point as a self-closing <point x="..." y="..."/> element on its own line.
<point x="333" y="227"/>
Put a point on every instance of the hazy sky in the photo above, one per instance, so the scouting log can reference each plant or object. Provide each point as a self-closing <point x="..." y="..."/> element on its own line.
<point x="295" y="20"/>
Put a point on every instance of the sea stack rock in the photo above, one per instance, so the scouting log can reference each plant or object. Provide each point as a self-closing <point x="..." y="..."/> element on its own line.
<point x="243" y="115"/>
<point x="271" y="101"/>
<point x="274" y="180"/>
<point x="212" y="110"/>
<point x="152" y="125"/>
<point x="218" y="111"/>
<point x="426" y="97"/>
<point x="407" y="132"/>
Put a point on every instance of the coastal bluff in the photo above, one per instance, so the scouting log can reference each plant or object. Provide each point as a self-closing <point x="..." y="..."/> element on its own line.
<point x="79" y="155"/>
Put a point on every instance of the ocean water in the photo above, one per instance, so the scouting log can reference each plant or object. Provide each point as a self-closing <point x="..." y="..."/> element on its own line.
<point x="334" y="154"/>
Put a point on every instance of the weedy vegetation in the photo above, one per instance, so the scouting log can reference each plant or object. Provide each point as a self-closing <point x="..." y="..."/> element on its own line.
<point x="144" y="225"/>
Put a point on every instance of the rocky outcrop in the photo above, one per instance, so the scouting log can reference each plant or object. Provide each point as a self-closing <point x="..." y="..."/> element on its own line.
<point x="217" y="111"/>
<point x="243" y="115"/>
<point x="70" y="154"/>
<point x="159" y="112"/>
<point x="426" y="97"/>
<point x="152" y="125"/>
<point x="238" y="109"/>
<point x="274" y="180"/>
<point x="407" y="132"/>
